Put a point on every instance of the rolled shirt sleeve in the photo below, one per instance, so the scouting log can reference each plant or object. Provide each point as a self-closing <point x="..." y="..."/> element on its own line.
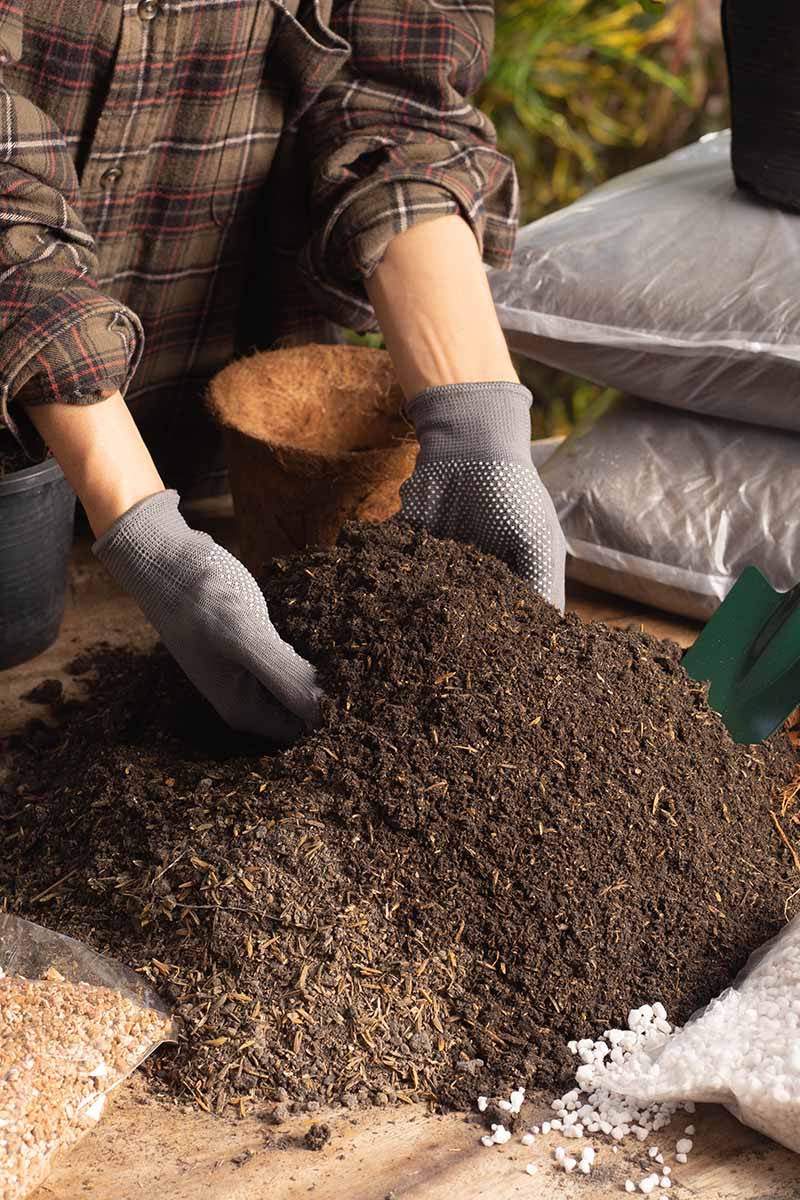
<point x="60" y="338"/>
<point x="394" y="141"/>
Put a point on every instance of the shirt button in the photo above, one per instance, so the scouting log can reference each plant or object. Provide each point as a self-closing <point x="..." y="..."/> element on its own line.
<point x="110" y="177"/>
<point x="148" y="9"/>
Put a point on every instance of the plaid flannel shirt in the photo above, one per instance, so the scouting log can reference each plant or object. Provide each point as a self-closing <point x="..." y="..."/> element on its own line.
<point x="184" y="180"/>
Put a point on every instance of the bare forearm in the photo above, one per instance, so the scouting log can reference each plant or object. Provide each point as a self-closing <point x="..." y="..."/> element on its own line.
<point x="102" y="455"/>
<point x="435" y="309"/>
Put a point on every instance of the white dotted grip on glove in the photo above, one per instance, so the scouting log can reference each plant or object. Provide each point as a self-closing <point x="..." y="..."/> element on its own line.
<point x="475" y="480"/>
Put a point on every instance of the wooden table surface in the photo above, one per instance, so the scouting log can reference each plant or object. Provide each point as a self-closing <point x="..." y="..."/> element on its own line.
<point x="144" y="1149"/>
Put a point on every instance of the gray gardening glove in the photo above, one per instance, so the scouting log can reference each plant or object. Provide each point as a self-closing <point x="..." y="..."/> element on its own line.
<point x="475" y="480"/>
<point x="212" y="618"/>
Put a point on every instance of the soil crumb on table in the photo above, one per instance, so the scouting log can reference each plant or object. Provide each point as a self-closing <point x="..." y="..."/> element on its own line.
<point x="47" y="692"/>
<point x="317" y="1136"/>
<point x="511" y="828"/>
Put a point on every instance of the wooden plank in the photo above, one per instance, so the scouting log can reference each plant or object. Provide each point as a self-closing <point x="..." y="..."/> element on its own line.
<point x="592" y="605"/>
<point x="96" y="611"/>
<point x="144" y="1148"/>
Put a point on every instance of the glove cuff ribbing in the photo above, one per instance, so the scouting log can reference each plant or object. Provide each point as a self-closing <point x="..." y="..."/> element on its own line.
<point x="479" y="422"/>
<point x="142" y="540"/>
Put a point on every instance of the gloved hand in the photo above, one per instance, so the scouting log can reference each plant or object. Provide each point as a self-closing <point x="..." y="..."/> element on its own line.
<point x="475" y="480"/>
<point x="212" y="618"/>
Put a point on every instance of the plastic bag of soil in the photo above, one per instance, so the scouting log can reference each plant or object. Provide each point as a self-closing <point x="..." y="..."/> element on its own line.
<point x="668" y="508"/>
<point x="72" y="1026"/>
<point x="742" y="1050"/>
<point x="668" y="283"/>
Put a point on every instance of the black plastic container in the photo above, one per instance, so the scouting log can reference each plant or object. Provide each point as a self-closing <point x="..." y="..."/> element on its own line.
<point x="37" y="511"/>
<point x="762" y="45"/>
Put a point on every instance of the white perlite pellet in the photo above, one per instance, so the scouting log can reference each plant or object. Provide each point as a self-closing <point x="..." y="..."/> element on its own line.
<point x="500" y="1135"/>
<point x="568" y="1162"/>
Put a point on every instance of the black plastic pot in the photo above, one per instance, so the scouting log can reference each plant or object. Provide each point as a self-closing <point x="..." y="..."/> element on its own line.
<point x="37" y="511"/>
<point x="762" y="44"/>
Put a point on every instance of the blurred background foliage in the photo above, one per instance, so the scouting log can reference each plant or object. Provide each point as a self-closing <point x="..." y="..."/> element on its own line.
<point x="582" y="90"/>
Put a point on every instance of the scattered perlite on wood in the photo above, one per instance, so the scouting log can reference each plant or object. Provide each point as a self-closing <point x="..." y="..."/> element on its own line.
<point x="592" y="1110"/>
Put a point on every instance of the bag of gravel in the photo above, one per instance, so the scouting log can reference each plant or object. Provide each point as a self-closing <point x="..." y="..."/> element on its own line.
<point x="667" y="282"/>
<point x="73" y="1025"/>
<point x="668" y="508"/>
<point x="742" y="1050"/>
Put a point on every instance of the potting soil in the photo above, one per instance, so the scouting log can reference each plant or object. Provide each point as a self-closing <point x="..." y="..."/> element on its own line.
<point x="12" y="457"/>
<point x="510" y="828"/>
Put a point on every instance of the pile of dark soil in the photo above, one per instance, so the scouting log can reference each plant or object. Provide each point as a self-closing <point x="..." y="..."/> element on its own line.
<point x="511" y="828"/>
<point x="12" y="457"/>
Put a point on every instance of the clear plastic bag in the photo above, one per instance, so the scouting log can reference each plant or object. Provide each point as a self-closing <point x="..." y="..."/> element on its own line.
<point x="667" y="283"/>
<point x="73" y="1025"/>
<point x="742" y="1050"/>
<point x="668" y="508"/>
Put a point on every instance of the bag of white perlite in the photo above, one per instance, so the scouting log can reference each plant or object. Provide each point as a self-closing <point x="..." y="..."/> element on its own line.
<point x="667" y="282"/>
<point x="742" y="1050"/>
<point x="668" y="508"/>
<point x="73" y="1025"/>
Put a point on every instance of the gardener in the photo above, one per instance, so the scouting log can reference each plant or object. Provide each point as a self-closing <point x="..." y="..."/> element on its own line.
<point x="185" y="179"/>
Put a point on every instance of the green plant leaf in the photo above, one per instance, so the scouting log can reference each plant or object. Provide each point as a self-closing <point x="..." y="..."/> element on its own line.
<point x="580" y="90"/>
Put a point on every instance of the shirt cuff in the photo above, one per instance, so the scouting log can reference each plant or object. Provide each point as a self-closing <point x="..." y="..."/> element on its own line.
<point x="73" y="348"/>
<point x="349" y="248"/>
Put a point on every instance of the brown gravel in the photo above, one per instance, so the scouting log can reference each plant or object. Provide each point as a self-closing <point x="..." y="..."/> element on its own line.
<point x="62" y="1047"/>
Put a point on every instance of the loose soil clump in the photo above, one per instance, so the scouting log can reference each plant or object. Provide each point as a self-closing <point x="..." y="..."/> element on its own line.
<point x="510" y="828"/>
<point x="317" y="1136"/>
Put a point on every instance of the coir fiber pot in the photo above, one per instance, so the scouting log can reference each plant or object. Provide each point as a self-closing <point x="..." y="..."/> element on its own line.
<point x="314" y="436"/>
<point x="762" y="45"/>
<point x="37" y="511"/>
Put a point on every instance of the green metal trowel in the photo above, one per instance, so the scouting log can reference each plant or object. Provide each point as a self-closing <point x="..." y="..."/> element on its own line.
<point x="749" y="652"/>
